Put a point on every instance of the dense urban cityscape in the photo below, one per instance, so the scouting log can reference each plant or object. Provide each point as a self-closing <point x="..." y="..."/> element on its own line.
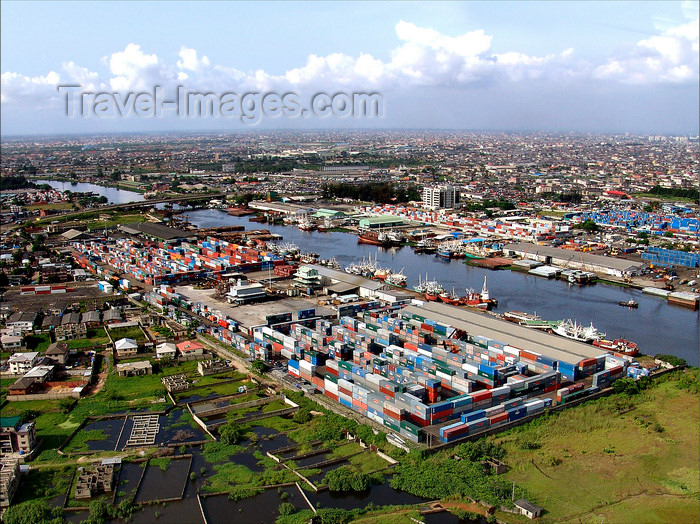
<point x="350" y="262"/>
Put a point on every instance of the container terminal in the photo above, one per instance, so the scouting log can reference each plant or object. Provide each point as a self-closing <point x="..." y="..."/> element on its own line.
<point x="429" y="372"/>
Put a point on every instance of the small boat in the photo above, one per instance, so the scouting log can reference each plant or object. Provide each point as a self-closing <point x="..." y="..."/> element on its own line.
<point x="629" y="303"/>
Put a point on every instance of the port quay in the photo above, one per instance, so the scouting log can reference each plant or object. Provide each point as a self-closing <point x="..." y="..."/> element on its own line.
<point x="430" y="372"/>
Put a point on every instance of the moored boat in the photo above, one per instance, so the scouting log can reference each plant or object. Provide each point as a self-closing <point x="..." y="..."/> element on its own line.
<point x="621" y="346"/>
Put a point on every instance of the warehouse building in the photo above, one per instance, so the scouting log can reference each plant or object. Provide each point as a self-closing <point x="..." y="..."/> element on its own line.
<point x="574" y="259"/>
<point x="383" y="221"/>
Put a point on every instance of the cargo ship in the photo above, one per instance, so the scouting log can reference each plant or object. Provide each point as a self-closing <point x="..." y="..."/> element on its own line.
<point x="621" y="346"/>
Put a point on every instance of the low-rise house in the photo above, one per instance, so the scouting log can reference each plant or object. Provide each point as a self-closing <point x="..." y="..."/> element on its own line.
<point x="20" y="363"/>
<point x="131" y="369"/>
<point x="70" y="331"/>
<point x="40" y="374"/>
<point x="22" y="320"/>
<point x="12" y="343"/>
<point x="126" y="347"/>
<point x="112" y="316"/>
<point x="24" y="386"/>
<point x="17" y="437"/>
<point x="71" y="318"/>
<point x="190" y="348"/>
<point x="50" y="322"/>
<point x="58" y="352"/>
<point x="527" y="508"/>
<point x="166" y="350"/>
<point x="91" y="319"/>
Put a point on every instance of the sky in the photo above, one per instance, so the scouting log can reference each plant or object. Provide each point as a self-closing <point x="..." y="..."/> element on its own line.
<point x="606" y="67"/>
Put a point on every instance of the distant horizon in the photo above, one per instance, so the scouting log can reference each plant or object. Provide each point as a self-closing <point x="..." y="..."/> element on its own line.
<point x="532" y="66"/>
<point x="358" y="131"/>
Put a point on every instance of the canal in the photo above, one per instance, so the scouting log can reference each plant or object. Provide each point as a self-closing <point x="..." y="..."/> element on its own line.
<point x="656" y="326"/>
<point x="114" y="195"/>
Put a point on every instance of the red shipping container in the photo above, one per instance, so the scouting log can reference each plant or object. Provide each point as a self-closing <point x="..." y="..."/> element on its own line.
<point x="498" y="418"/>
<point x="527" y="355"/>
<point x="480" y="395"/>
<point x="331" y="395"/>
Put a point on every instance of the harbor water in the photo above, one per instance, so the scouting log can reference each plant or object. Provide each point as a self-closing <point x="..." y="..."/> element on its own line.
<point x="656" y="326"/>
<point x="114" y="195"/>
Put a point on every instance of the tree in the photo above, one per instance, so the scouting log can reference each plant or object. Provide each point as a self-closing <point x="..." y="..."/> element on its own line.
<point x="33" y="512"/>
<point x="259" y="366"/>
<point x="230" y="433"/>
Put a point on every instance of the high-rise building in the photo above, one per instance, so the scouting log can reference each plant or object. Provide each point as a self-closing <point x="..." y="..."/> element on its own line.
<point x="440" y="197"/>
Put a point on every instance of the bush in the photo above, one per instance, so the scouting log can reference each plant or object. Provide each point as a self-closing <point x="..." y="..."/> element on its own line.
<point x="286" y="508"/>
<point x="302" y="416"/>
<point x="32" y="512"/>
<point x="628" y="386"/>
<point x="671" y="359"/>
<point x="230" y="433"/>
<point x="345" y="479"/>
<point x="259" y="366"/>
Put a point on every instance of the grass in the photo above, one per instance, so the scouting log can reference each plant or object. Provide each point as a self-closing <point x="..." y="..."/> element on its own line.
<point x="134" y="332"/>
<point x="598" y="461"/>
<point x="43" y="483"/>
<point x="161" y="462"/>
<point x="38" y="342"/>
<point x="80" y="441"/>
<point x="58" y="206"/>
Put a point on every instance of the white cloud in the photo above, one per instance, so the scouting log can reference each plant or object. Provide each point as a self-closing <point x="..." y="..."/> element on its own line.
<point x="423" y="57"/>
<point x="37" y="89"/>
<point x="670" y="57"/>
<point x="189" y="60"/>
<point x="135" y="70"/>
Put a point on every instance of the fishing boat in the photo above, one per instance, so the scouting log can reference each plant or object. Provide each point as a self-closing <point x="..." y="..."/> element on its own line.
<point x="432" y="293"/>
<point x="425" y="246"/>
<point x="375" y="238"/>
<point x="326" y="225"/>
<point x="629" y="303"/>
<point x="450" y="298"/>
<point x="306" y="224"/>
<point x="396" y="279"/>
<point x="621" y="346"/>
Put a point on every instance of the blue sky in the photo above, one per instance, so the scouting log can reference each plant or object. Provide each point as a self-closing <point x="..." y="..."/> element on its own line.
<point x="551" y="66"/>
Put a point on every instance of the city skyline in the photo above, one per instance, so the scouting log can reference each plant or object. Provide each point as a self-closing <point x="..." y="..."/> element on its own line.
<point x="550" y="67"/>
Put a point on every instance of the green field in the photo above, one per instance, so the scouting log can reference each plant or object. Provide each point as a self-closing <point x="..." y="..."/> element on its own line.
<point x="134" y="332"/>
<point x="619" y="459"/>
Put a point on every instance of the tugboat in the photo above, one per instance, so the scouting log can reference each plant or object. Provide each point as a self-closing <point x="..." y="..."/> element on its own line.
<point x="629" y="303"/>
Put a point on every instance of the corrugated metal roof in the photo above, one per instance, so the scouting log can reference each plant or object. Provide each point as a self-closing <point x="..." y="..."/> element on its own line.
<point x="553" y="346"/>
<point x="567" y="255"/>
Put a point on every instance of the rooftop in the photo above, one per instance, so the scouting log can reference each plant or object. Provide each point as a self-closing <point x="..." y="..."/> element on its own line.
<point x="156" y="230"/>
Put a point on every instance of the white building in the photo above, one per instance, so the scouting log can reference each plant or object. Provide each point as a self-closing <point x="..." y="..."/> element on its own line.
<point x="166" y="350"/>
<point x="21" y="363"/>
<point x="440" y="197"/>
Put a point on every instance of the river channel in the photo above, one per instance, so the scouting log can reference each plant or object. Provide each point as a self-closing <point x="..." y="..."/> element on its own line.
<point x="656" y="326"/>
<point x="114" y="195"/>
